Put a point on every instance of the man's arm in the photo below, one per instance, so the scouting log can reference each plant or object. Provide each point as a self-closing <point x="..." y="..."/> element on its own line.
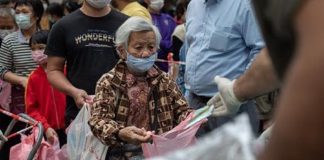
<point x="259" y="79"/>
<point x="55" y="75"/>
<point x="299" y="128"/>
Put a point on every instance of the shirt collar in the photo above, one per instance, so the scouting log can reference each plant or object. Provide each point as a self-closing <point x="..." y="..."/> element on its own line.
<point x="206" y="1"/>
<point x="21" y="38"/>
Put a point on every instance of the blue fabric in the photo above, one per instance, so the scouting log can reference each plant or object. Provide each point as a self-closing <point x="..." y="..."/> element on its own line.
<point x="166" y="25"/>
<point x="222" y="38"/>
<point x="180" y="79"/>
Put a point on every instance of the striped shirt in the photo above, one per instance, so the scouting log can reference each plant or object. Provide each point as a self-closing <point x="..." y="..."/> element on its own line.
<point x="15" y="55"/>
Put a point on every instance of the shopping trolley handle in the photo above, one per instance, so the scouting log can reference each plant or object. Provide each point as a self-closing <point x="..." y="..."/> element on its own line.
<point x="39" y="136"/>
<point x="2" y="137"/>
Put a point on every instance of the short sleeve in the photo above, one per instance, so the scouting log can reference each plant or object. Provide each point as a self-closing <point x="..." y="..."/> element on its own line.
<point x="56" y="45"/>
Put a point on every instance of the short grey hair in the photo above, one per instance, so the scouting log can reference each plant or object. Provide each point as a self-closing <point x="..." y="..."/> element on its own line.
<point x="7" y="12"/>
<point x="135" y="24"/>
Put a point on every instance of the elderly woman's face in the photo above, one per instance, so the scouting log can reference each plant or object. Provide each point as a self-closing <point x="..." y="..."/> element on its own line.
<point x="142" y="44"/>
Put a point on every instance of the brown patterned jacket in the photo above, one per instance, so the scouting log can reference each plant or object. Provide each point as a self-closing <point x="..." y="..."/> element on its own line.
<point x="107" y="119"/>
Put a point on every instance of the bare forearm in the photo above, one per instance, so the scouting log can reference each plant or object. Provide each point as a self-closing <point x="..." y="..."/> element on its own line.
<point x="299" y="128"/>
<point x="14" y="78"/>
<point x="60" y="82"/>
<point x="259" y="79"/>
<point x="298" y="132"/>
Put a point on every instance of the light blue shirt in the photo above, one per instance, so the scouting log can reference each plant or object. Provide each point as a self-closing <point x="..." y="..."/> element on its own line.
<point x="222" y="36"/>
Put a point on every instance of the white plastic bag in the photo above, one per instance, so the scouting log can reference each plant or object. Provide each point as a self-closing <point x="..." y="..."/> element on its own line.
<point x="81" y="143"/>
<point x="232" y="141"/>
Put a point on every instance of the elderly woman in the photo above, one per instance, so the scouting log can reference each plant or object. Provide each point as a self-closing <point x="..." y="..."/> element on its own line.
<point x="135" y="96"/>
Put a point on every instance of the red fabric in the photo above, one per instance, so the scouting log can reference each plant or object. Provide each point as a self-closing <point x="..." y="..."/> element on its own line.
<point x="43" y="102"/>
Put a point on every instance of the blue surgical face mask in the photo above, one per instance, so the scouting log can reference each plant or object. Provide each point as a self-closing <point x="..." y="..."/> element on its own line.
<point x="23" y="20"/>
<point x="140" y="65"/>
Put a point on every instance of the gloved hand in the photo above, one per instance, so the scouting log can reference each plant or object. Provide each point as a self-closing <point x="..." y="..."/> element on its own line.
<point x="225" y="102"/>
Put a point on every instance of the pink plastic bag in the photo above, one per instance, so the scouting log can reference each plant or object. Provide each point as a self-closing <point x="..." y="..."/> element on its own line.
<point x="178" y="138"/>
<point x="52" y="151"/>
<point x="22" y="150"/>
<point x="46" y="151"/>
<point x="5" y="95"/>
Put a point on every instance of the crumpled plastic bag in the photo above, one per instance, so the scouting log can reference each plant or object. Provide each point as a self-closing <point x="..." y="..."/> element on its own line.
<point x="22" y="150"/>
<point x="46" y="151"/>
<point x="52" y="151"/>
<point x="232" y="141"/>
<point x="263" y="139"/>
<point x="178" y="138"/>
<point x="81" y="143"/>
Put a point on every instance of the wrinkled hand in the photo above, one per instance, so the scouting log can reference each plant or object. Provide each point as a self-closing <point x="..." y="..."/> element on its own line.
<point x="50" y="135"/>
<point x="225" y="102"/>
<point x="134" y="135"/>
<point x="80" y="97"/>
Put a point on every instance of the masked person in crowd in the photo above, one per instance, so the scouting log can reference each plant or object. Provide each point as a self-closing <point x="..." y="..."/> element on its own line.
<point x="131" y="8"/>
<point x="7" y="22"/>
<point x="54" y="11"/>
<point x="84" y="41"/>
<point x="135" y="96"/>
<point x="44" y="103"/>
<point x="166" y="26"/>
<point x="178" y="37"/>
<point x="70" y="6"/>
<point x="7" y="26"/>
<point x="16" y="61"/>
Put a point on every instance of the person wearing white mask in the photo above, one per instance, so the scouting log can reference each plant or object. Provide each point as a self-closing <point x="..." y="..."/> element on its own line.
<point x="166" y="25"/>
<point x="84" y="41"/>
<point x="43" y="103"/>
<point x="7" y="22"/>
<point x="7" y="26"/>
<point x="131" y="8"/>
<point x="14" y="49"/>
<point x="16" y="61"/>
<point x="135" y="96"/>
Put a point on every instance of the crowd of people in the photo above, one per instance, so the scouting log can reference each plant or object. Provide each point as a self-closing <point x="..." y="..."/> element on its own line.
<point x="150" y="63"/>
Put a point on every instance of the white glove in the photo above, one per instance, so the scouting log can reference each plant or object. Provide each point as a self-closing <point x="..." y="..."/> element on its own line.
<point x="225" y="102"/>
